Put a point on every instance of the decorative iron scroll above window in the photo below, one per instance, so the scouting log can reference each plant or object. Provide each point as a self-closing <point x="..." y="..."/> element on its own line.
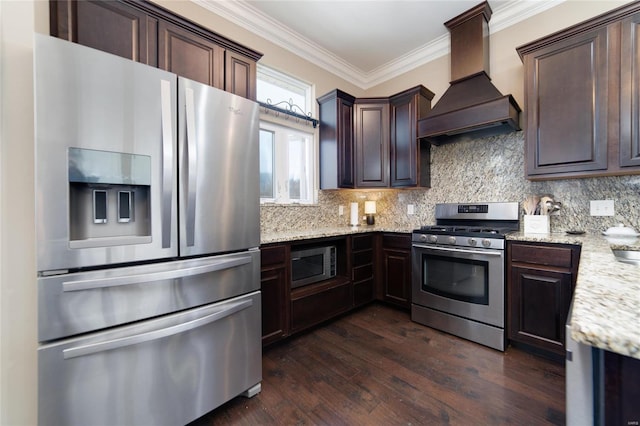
<point x="288" y="109"/>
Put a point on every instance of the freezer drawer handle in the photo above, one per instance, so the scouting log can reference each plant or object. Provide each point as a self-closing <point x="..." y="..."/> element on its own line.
<point x="93" y="348"/>
<point x="156" y="276"/>
<point x="167" y="161"/>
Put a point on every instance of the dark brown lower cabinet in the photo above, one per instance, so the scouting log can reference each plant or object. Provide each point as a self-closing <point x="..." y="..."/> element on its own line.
<point x="274" y="279"/>
<point x="312" y="304"/>
<point x="362" y="268"/>
<point x="621" y="389"/>
<point x="395" y="265"/>
<point x="540" y="282"/>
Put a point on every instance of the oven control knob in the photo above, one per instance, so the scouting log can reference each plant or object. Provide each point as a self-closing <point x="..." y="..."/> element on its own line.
<point x="452" y="240"/>
<point x="433" y="239"/>
<point x="423" y="238"/>
<point x="472" y="242"/>
<point x="486" y="243"/>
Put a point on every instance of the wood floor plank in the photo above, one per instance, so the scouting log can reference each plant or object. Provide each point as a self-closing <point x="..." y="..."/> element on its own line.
<point x="377" y="367"/>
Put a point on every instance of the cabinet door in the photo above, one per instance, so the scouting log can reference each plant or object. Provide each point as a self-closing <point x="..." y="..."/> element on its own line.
<point x="336" y="140"/>
<point x="240" y="75"/>
<point x="410" y="157"/>
<point x="396" y="269"/>
<point x="630" y="93"/>
<point x="275" y="293"/>
<point x="567" y="111"/>
<point x="274" y="321"/>
<point x="190" y="55"/>
<point x="404" y="148"/>
<point x="109" y="26"/>
<point x="346" y="146"/>
<point x="539" y="305"/>
<point x="372" y="144"/>
<point x="621" y="390"/>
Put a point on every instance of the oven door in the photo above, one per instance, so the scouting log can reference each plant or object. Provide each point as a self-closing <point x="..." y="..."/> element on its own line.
<point x="466" y="282"/>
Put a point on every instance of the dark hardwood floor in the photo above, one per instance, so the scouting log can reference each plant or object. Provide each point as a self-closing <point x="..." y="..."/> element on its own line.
<point x="376" y="367"/>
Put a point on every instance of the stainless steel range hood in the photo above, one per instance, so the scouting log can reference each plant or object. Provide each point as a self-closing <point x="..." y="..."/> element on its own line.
<point x="472" y="105"/>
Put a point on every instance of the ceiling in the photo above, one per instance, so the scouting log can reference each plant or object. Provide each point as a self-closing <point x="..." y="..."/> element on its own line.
<point x="365" y="42"/>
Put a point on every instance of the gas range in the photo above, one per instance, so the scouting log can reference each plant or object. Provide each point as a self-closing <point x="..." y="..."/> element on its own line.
<point x="482" y="225"/>
<point x="458" y="267"/>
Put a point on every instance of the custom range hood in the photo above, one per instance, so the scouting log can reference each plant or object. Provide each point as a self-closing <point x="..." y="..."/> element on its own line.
<point x="471" y="105"/>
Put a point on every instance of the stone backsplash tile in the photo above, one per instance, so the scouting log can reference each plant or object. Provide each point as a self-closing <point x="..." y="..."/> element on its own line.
<point x="478" y="170"/>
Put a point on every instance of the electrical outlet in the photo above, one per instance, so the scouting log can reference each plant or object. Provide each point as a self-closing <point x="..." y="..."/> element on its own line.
<point x="602" y="208"/>
<point x="340" y="210"/>
<point x="411" y="209"/>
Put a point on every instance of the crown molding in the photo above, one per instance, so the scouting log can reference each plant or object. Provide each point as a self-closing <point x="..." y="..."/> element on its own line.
<point x="246" y="16"/>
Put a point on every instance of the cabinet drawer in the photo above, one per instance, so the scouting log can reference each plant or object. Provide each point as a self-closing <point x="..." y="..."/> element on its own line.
<point x="398" y="241"/>
<point x="542" y="255"/>
<point x="362" y="272"/>
<point x="273" y="255"/>
<point x="361" y="242"/>
<point x="317" y="307"/>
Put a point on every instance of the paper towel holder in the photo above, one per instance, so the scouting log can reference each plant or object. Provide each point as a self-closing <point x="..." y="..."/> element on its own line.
<point x="354" y="218"/>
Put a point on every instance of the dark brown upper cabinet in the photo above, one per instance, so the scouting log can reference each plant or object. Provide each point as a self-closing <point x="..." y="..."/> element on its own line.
<point x="240" y="75"/>
<point x="110" y="26"/>
<point x="410" y="157"/>
<point x="581" y="96"/>
<point x="190" y="55"/>
<point x="144" y="32"/>
<point x="373" y="142"/>
<point x="630" y="92"/>
<point x="336" y="140"/>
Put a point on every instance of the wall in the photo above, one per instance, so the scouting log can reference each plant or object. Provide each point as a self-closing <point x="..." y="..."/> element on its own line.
<point x="18" y="340"/>
<point x="480" y="170"/>
<point x="273" y="55"/>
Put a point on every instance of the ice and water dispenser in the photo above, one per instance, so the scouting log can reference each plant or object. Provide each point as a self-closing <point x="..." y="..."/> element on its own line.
<point x="109" y="198"/>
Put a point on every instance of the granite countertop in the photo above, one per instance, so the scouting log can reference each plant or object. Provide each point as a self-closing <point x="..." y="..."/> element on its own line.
<point x="606" y="301"/>
<point x="307" y="234"/>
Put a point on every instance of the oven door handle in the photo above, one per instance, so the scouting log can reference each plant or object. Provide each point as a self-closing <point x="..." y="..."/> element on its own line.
<point x="457" y="250"/>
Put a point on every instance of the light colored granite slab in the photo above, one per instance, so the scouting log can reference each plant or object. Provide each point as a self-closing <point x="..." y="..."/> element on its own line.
<point x="606" y="301"/>
<point x="307" y="234"/>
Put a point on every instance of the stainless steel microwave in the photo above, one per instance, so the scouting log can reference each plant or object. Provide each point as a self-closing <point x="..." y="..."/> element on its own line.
<point x="312" y="265"/>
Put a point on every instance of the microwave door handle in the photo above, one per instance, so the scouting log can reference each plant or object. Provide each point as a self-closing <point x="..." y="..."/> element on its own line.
<point x="167" y="161"/>
<point x="80" y="285"/>
<point x="191" y="165"/>
<point x="93" y="348"/>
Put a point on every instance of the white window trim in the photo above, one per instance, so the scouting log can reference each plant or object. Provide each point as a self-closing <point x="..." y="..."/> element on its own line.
<point x="268" y="116"/>
<point x="270" y="123"/>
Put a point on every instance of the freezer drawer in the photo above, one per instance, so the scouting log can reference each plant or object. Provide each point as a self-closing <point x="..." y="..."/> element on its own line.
<point x="166" y="371"/>
<point x="88" y="301"/>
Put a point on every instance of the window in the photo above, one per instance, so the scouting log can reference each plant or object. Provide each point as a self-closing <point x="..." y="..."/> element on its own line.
<point x="287" y="143"/>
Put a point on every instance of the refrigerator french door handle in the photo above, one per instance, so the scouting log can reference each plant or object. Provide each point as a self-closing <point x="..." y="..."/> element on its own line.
<point x="80" y="285"/>
<point x="167" y="161"/>
<point x="108" y="345"/>
<point x="191" y="165"/>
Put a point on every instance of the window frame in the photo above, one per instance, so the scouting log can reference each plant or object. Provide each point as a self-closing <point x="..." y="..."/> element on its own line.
<point x="278" y="123"/>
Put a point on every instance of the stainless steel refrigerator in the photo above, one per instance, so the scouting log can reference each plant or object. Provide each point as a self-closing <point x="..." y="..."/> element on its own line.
<point x="148" y="230"/>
